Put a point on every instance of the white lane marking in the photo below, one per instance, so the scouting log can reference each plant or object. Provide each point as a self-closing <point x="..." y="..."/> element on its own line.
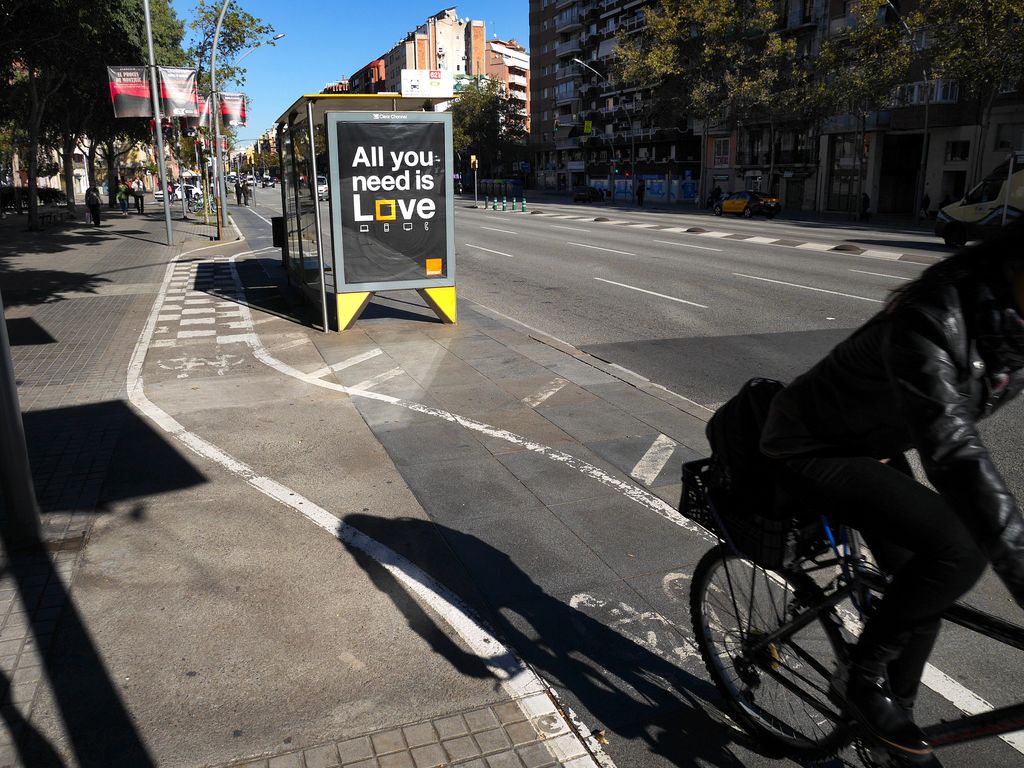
<point x="809" y="288"/>
<point x="652" y="462"/>
<point x="195" y="334"/>
<point x="643" y="226"/>
<point x="259" y="217"/>
<point x="676" y="230"/>
<point x="199" y="321"/>
<point x="198" y="310"/>
<point x="965" y="700"/>
<point x="815" y="246"/>
<point x="380" y="378"/>
<point x="648" y="629"/>
<point x="688" y="245"/>
<point x="346" y="363"/>
<point x="878" y="274"/>
<point x="520" y="682"/>
<point x="573" y="229"/>
<point x="760" y="240"/>
<point x="599" y="248"/>
<point x="890" y="255"/>
<point x="550" y="389"/>
<point x="659" y="295"/>
<point x="714" y="234"/>
<point x="292" y="344"/>
<point x="481" y="248"/>
<point x="495" y="229"/>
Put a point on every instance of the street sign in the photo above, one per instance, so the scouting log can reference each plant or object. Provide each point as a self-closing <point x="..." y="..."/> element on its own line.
<point x="588" y="126"/>
<point x="394" y="201"/>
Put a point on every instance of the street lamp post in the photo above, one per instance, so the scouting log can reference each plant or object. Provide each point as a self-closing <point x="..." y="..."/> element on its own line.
<point x="632" y="133"/>
<point x="919" y="192"/>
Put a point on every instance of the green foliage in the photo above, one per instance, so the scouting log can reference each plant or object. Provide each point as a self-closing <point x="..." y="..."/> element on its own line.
<point x="487" y="122"/>
<point x="864" y="64"/>
<point x="239" y="32"/>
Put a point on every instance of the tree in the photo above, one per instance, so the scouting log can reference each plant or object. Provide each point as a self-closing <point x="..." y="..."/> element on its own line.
<point x="978" y="44"/>
<point x="722" y="61"/>
<point x="239" y="31"/>
<point x="487" y="122"/>
<point x="862" y="67"/>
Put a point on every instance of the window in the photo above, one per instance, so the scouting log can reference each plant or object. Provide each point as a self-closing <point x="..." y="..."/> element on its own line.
<point x="957" y="151"/>
<point x="1009" y="137"/>
<point x="721" y="156"/>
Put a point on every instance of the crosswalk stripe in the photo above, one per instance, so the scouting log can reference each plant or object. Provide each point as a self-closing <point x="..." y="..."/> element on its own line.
<point x="652" y="462"/>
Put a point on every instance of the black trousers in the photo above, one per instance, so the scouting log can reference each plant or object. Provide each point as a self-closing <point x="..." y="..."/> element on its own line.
<point x="94" y="211"/>
<point x="916" y="537"/>
<point x="140" y="204"/>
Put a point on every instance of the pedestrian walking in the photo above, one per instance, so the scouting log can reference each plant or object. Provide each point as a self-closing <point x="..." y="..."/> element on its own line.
<point x="865" y="205"/>
<point x="245" y="194"/>
<point x="139" y="195"/>
<point x="640" y="189"/>
<point x="122" y="196"/>
<point x="92" y="202"/>
<point x="238" y="192"/>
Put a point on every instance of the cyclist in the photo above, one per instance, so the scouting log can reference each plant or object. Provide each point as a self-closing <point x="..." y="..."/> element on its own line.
<point x="946" y="351"/>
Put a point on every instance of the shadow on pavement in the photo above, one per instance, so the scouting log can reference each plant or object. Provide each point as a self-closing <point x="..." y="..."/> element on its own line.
<point x="26" y="332"/>
<point x="634" y="693"/>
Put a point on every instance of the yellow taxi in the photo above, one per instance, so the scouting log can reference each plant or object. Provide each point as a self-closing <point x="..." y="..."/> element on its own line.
<point x="746" y="204"/>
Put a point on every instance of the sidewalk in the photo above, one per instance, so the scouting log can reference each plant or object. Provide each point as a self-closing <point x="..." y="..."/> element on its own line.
<point x="185" y="618"/>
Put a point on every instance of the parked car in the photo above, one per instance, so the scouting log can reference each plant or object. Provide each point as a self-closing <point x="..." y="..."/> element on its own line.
<point x="322" y="190"/>
<point x="587" y="195"/>
<point x="179" y="189"/>
<point x="746" y="204"/>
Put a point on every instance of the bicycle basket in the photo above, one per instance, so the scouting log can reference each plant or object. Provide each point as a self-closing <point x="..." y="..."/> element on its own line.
<point x="768" y="542"/>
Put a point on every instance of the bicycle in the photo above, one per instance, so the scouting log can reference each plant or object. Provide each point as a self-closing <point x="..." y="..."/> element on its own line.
<point x="776" y="608"/>
<point x="197" y="204"/>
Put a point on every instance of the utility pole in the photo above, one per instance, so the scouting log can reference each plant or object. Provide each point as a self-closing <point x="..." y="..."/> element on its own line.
<point x="154" y="76"/>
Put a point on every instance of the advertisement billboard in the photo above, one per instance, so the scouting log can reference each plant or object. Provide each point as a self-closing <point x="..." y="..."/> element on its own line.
<point x="178" y="96"/>
<point x="391" y="201"/>
<point x="435" y="83"/>
<point x="129" y="91"/>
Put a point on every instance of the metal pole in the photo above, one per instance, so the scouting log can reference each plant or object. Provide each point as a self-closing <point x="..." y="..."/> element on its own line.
<point x="919" y="201"/>
<point x="153" y="77"/>
<point x="476" y="195"/>
<point x="319" y="226"/>
<point x="21" y="527"/>
<point x="218" y="185"/>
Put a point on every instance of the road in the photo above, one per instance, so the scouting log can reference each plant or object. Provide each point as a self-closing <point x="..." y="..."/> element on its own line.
<point x="700" y="314"/>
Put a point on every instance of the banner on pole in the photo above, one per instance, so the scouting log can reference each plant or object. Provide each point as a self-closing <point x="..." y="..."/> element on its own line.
<point x="232" y="108"/>
<point x="178" y="97"/>
<point x="202" y="120"/>
<point x="129" y="91"/>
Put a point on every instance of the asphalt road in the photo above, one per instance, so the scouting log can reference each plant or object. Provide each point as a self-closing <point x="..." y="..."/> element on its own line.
<point x="700" y="315"/>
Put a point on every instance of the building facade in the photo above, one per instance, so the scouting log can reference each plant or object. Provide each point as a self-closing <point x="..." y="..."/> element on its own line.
<point x="509" y="62"/>
<point x="444" y="41"/>
<point x="586" y="130"/>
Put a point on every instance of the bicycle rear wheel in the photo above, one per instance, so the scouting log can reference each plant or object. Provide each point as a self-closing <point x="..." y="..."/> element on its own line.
<point x="780" y="693"/>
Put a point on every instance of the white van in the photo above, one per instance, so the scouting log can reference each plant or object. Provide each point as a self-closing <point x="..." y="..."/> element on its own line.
<point x="981" y="211"/>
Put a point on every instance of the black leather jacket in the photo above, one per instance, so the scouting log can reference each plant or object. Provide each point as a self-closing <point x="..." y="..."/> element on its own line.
<point x="920" y="374"/>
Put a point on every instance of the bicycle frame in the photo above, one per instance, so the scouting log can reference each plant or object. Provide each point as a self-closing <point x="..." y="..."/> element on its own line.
<point x="858" y="583"/>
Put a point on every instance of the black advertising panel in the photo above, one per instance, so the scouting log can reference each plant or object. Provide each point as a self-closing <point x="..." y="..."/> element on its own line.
<point x="390" y="197"/>
<point x="232" y="108"/>
<point x="129" y="91"/>
<point x="178" y="96"/>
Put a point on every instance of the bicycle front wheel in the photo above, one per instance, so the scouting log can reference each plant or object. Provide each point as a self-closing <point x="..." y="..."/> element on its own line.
<point x="777" y="691"/>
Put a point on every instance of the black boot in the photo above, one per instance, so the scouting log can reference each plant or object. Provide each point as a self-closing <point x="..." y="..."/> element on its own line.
<point x="868" y="699"/>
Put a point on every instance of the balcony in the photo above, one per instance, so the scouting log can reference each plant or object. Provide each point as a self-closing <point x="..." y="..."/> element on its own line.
<point x="568" y="72"/>
<point x="568" y="21"/>
<point x="633" y="24"/>
<point x="572" y="143"/>
<point x="569" y="47"/>
<point x="517" y="80"/>
<point x="565" y="97"/>
<point x="564" y="3"/>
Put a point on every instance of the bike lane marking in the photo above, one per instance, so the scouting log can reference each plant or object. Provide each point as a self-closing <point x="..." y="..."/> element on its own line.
<point x="568" y="740"/>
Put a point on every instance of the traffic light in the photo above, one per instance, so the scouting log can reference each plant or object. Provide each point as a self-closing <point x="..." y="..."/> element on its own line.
<point x="472" y="162"/>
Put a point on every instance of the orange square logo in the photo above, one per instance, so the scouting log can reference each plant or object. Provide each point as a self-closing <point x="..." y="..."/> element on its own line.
<point x="433" y="267"/>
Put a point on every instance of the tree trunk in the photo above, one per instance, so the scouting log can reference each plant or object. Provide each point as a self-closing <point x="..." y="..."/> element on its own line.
<point x="68" y="161"/>
<point x="34" y="121"/>
<point x="108" y="151"/>
<point x="91" y="160"/>
<point x="771" y="154"/>
<point x="703" y="163"/>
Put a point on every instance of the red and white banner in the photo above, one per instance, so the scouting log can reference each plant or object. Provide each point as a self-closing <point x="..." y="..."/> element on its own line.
<point x="129" y="91"/>
<point x="232" y="108"/>
<point x="178" y="97"/>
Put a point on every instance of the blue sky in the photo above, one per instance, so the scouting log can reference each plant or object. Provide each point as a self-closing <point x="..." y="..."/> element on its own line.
<point x="328" y="40"/>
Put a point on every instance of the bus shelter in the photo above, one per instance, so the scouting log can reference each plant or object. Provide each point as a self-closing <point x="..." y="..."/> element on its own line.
<point x="367" y="201"/>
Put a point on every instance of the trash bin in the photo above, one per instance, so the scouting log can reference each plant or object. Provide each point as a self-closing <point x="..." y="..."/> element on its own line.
<point x="280" y="238"/>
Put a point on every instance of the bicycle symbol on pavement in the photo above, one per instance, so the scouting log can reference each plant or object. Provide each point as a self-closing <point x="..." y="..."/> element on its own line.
<point x="188" y="365"/>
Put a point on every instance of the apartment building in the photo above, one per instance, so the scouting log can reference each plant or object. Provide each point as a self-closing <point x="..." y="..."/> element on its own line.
<point x="443" y="41"/>
<point x="586" y="130"/>
<point x="508" y="62"/>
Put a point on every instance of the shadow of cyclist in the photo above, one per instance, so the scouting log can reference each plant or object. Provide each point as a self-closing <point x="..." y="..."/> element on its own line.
<point x="632" y="692"/>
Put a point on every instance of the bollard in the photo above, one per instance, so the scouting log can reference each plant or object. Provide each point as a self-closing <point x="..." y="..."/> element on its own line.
<point x="524" y="203"/>
<point x="486" y="202"/>
<point x="504" y="203"/>
<point x="494" y="203"/>
<point x="513" y="203"/>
